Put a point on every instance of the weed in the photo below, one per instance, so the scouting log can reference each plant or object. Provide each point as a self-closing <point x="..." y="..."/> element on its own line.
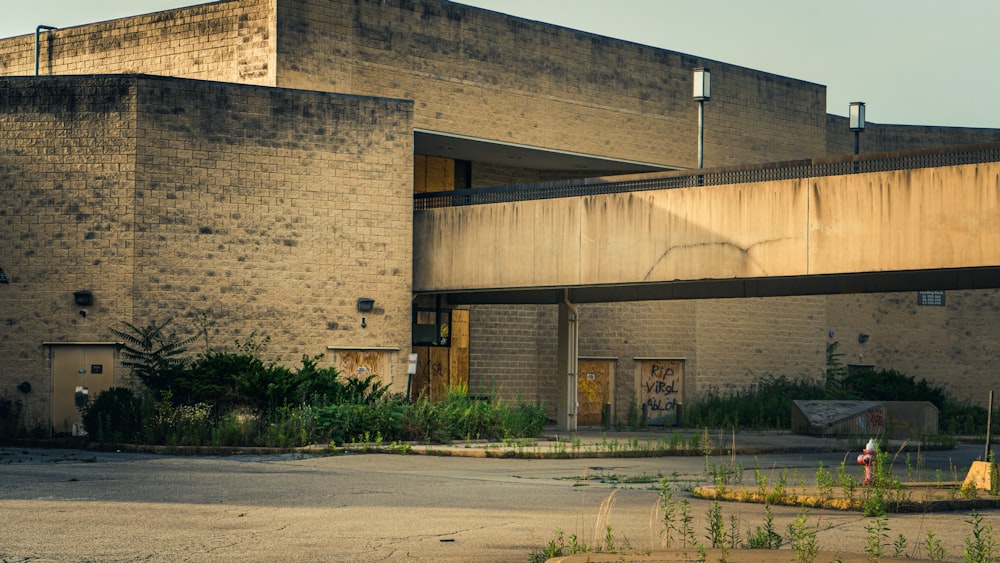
<point x="935" y="551"/>
<point x="802" y="538"/>
<point x="669" y="507"/>
<point x="824" y="482"/>
<point x="899" y="546"/>
<point x="980" y="547"/>
<point x="846" y="480"/>
<point x="716" y="535"/>
<point x="686" y="529"/>
<point x="877" y="534"/>
<point x="765" y="537"/>
<point x="558" y="547"/>
<point x="733" y="534"/>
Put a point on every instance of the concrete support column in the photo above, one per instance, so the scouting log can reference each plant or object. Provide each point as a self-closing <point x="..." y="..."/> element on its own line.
<point x="567" y="349"/>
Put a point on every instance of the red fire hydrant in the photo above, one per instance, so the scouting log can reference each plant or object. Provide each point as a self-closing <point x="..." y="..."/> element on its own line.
<point x="867" y="458"/>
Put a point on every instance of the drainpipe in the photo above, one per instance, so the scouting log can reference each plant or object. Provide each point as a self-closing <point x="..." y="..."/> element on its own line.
<point x="38" y="31"/>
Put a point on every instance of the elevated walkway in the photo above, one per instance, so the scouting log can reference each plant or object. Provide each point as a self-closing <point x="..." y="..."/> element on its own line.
<point x="919" y="220"/>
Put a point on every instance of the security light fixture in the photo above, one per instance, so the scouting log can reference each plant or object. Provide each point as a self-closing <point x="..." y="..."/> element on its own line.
<point x="365" y="305"/>
<point x="83" y="298"/>
<point x="857" y="116"/>
<point x="856" y="119"/>
<point x="702" y="84"/>
<point x="702" y="93"/>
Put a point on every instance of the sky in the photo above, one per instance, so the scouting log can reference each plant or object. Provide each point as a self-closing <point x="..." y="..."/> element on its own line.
<point x="916" y="62"/>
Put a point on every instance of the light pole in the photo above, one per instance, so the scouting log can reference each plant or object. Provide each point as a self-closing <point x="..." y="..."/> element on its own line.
<point x="702" y="93"/>
<point x="857" y="123"/>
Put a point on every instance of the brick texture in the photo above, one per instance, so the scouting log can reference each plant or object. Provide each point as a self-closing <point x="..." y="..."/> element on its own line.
<point x="270" y="211"/>
<point x="270" y="217"/>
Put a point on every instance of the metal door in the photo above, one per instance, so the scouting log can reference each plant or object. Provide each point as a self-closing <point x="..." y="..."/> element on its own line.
<point x="79" y="373"/>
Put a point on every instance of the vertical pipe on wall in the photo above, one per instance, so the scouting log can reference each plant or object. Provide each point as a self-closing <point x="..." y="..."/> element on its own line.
<point x="38" y="31"/>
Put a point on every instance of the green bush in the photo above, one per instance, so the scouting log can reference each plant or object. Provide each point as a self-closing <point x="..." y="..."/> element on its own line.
<point x="234" y="398"/>
<point x="10" y="415"/>
<point x="115" y="415"/>
<point x="768" y="403"/>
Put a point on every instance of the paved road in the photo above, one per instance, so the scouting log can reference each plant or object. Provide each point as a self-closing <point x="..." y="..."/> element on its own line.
<point x="68" y="505"/>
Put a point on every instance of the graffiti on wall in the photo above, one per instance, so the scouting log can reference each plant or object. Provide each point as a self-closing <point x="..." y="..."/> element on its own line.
<point x="661" y="385"/>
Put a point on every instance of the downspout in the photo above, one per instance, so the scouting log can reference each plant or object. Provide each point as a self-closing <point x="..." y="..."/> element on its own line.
<point x="38" y="31"/>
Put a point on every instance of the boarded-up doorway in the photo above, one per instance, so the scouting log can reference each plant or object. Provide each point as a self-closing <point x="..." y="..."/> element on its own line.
<point x="79" y="373"/>
<point x="442" y="367"/>
<point x="593" y="390"/>
<point x="361" y="363"/>
<point x="660" y="389"/>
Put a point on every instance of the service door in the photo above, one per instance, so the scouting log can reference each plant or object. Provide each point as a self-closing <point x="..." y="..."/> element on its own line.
<point x="660" y="385"/>
<point x="593" y="390"/>
<point x="79" y="373"/>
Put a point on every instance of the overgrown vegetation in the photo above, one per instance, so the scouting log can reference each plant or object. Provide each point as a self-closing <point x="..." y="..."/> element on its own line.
<point x="768" y="402"/>
<point x="10" y="414"/>
<point x="672" y="527"/>
<point x="235" y="398"/>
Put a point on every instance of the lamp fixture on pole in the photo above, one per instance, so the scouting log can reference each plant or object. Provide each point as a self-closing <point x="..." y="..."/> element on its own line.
<point x="857" y="123"/>
<point x="702" y="93"/>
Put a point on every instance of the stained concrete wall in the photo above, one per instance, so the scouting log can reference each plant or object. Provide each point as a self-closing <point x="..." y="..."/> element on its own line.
<point x="270" y="217"/>
<point x="926" y="218"/>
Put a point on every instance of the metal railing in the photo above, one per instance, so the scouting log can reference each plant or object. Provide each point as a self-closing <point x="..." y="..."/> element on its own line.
<point x="810" y="168"/>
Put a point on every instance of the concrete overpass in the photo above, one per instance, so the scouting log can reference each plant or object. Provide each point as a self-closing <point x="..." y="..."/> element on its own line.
<point x="918" y="220"/>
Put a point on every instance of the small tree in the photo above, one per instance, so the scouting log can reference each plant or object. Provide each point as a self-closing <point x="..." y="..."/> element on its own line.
<point x="154" y="356"/>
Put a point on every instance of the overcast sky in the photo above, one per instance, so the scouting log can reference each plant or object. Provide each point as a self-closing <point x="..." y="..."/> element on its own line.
<point x="920" y="62"/>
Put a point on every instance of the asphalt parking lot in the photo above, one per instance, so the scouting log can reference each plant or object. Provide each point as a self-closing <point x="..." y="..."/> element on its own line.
<point x="76" y="505"/>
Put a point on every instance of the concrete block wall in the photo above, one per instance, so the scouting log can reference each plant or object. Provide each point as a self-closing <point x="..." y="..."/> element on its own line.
<point x="67" y="174"/>
<point x="889" y="138"/>
<point x="272" y="217"/>
<point x="229" y="40"/>
<point x="488" y="75"/>
<point x="726" y="344"/>
<point x="742" y="340"/>
<point x="512" y="352"/>
<point x="626" y="331"/>
<point x="954" y="346"/>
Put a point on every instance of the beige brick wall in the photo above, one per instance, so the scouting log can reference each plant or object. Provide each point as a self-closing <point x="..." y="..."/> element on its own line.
<point x="954" y="346"/>
<point x="489" y="75"/>
<point x="888" y="138"/>
<point x="727" y="344"/>
<point x="741" y="340"/>
<point x="230" y="40"/>
<point x="271" y="217"/>
<point x="272" y="211"/>
<point x="508" y="351"/>
<point x="67" y="172"/>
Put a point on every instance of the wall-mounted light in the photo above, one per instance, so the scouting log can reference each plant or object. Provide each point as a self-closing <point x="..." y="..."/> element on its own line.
<point x="3" y="276"/>
<point x="83" y="298"/>
<point x="862" y="338"/>
<point x="856" y="123"/>
<point x="365" y="305"/>
<point x="702" y="93"/>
